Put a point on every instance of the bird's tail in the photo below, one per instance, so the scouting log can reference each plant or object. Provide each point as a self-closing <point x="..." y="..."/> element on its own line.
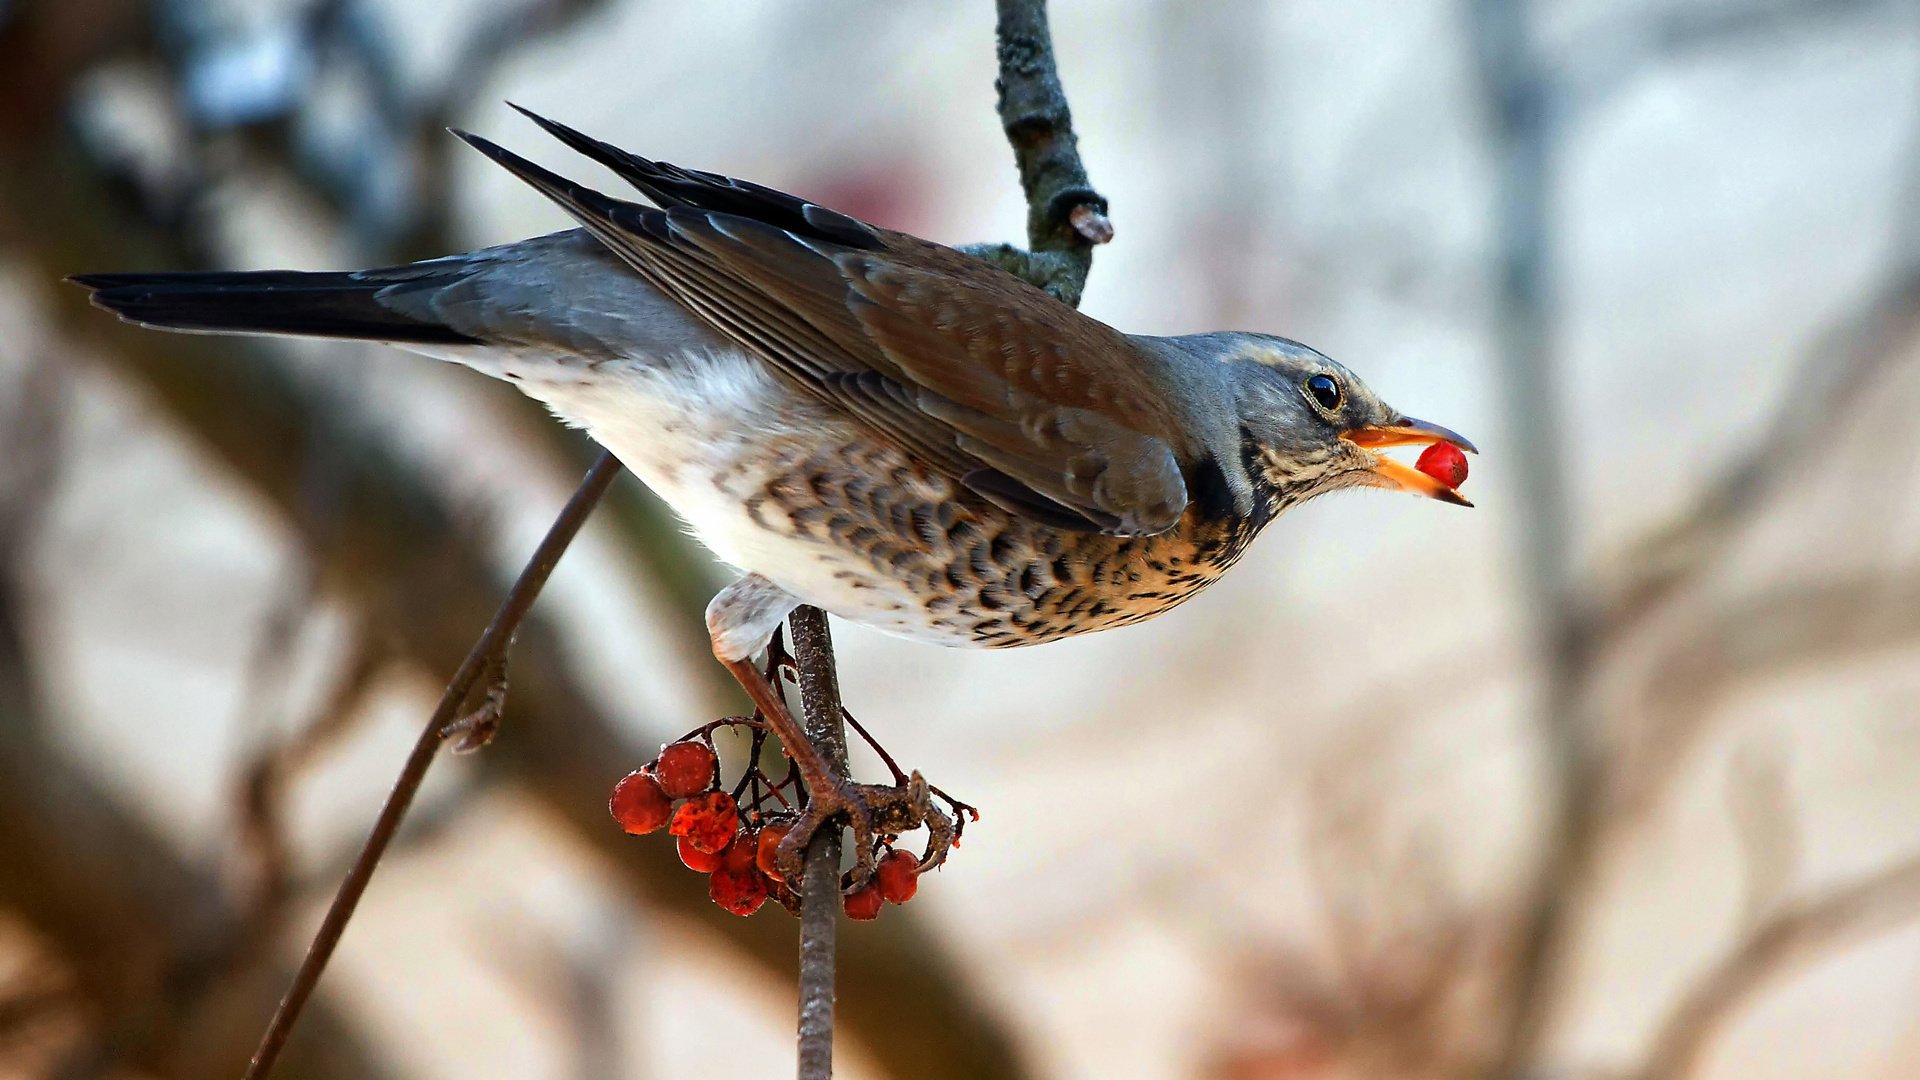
<point x="294" y="302"/>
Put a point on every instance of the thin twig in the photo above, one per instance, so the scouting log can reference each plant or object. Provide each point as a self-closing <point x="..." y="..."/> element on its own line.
<point x="1801" y="932"/>
<point x="485" y="652"/>
<point x="1066" y="217"/>
<point x="820" y="892"/>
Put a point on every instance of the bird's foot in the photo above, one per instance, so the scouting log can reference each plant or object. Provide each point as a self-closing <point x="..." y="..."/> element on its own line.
<point x="877" y="814"/>
<point x="914" y="802"/>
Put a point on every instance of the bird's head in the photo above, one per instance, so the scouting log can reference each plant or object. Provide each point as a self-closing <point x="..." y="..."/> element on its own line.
<point x="1312" y="426"/>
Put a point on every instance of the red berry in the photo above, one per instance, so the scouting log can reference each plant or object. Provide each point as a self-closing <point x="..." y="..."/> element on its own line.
<point x="685" y="769"/>
<point x="700" y="862"/>
<point x="767" y="853"/>
<point x="1445" y="463"/>
<point x="740" y="854"/>
<point x="898" y="876"/>
<point x="708" y="822"/>
<point x="863" y="903"/>
<point x="739" y="891"/>
<point x="639" y="804"/>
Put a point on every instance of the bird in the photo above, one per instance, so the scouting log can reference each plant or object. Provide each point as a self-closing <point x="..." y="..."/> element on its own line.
<point x="881" y="426"/>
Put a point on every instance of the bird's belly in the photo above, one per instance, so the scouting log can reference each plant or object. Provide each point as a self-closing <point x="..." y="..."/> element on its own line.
<point x="779" y="484"/>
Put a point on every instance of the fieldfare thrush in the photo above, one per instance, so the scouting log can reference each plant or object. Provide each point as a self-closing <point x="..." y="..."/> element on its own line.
<point x="858" y="419"/>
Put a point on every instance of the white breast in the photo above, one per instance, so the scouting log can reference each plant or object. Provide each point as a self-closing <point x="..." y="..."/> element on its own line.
<point x="705" y="430"/>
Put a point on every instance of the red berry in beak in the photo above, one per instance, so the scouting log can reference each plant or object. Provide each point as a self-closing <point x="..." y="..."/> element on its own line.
<point x="685" y="769"/>
<point x="639" y="804"/>
<point x="1445" y="463"/>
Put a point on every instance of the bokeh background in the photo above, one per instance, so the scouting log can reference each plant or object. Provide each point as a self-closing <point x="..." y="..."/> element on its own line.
<point x="1614" y="776"/>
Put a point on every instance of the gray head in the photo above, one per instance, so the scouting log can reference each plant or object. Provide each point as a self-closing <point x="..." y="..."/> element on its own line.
<point x="1311" y="426"/>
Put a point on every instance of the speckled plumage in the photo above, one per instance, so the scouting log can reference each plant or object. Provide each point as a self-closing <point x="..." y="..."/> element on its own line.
<point x="776" y="483"/>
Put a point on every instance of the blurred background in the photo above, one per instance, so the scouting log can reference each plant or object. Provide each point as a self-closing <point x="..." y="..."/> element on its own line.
<point x="1615" y="776"/>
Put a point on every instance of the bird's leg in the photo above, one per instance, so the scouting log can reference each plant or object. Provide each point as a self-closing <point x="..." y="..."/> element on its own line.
<point x="742" y="618"/>
<point x="943" y="834"/>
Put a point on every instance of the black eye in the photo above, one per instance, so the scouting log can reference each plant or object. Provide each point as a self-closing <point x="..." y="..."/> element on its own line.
<point x="1325" y="391"/>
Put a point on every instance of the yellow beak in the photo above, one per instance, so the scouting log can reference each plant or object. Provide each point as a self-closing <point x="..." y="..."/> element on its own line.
<point x="1393" y="474"/>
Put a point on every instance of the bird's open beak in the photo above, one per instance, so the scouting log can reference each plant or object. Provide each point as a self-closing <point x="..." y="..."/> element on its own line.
<point x="1408" y="432"/>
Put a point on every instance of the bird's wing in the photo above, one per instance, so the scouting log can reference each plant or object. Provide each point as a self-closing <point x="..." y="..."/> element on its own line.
<point x="1032" y="405"/>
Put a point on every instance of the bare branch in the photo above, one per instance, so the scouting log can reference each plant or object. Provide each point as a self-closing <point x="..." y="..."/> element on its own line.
<point x="1802" y="933"/>
<point x="1520" y="101"/>
<point x="820" y="892"/>
<point x="1769" y="834"/>
<point x="260" y="791"/>
<point x="1066" y="217"/>
<point x="486" y="652"/>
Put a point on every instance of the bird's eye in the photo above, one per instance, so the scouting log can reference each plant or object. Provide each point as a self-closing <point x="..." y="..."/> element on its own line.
<point x="1325" y="391"/>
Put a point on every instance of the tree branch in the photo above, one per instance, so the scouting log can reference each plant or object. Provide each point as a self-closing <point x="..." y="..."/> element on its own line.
<point x="1520" y="101"/>
<point x="490" y="649"/>
<point x="1066" y="217"/>
<point x="1789" y="940"/>
<point x="820" y="895"/>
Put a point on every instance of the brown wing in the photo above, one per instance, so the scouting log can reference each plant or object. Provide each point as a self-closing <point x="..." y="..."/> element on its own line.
<point x="1029" y="403"/>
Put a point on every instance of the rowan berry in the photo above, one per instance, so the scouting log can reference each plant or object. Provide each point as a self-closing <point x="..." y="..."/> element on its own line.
<point x="700" y="862"/>
<point x="898" y="876"/>
<point x="738" y="891"/>
<point x="767" y="850"/>
<point x="708" y="822"/>
<point x="639" y="804"/>
<point x="1445" y="463"/>
<point x="685" y="769"/>
<point x="740" y="854"/>
<point x="863" y="903"/>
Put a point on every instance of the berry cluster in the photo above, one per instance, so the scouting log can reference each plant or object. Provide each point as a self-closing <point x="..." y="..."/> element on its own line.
<point x="733" y="835"/>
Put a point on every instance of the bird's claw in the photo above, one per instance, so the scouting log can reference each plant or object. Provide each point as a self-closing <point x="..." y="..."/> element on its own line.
<point x="871" y="811"/>
<point x="824" y="804"/>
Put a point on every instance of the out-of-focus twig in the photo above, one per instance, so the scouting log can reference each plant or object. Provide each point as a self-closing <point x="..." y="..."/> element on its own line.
<point x="1799" y="933"/>
<point x="1521" y="107"/>
<point x="148" y="947"/>
<point x="1768" y="831"/>
<point x="260" y="789"/>
<point x="1641" y="37"/>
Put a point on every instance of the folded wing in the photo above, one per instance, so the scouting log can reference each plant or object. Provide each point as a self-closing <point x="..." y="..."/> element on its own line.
<point x="1032" y="405"/>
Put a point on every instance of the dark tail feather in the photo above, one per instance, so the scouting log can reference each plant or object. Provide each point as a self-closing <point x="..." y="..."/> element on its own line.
<point x="332" y="304"/>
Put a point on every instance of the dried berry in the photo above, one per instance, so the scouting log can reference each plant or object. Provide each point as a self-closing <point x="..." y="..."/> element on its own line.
<point x="739" y="891"/>
<point x="685" y="769"/>
<point x="701" y="862"/>
<point x="898" y="876"/>
<point x="1445" y="463"/>
<point x="863" y="903"/>
<point x="639" y="804"/>
<point x="767" y="853"/>
<point x="707" y="822"/>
